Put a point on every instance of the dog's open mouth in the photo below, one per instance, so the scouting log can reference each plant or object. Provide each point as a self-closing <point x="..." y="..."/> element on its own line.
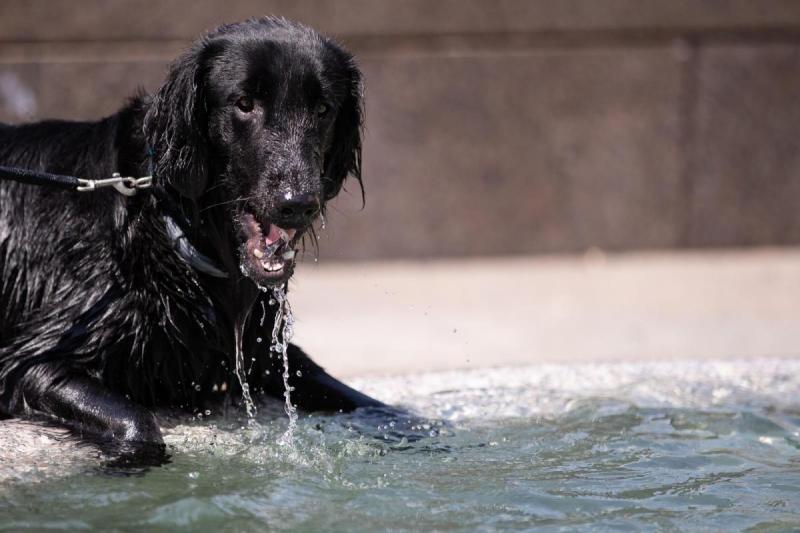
<point x="268" y="252"/>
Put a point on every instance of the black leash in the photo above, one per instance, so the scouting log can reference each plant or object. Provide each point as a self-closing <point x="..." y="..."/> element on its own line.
<point x="127" y="186"/>
<point x="123" y="184"/>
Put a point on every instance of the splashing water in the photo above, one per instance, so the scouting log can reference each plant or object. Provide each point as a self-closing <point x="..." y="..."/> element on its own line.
<point x="282" y="332"/>
<point x="249" y="405"/>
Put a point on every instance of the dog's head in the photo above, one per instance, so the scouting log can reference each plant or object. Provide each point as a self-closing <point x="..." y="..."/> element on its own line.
<point x="256" y="128"/>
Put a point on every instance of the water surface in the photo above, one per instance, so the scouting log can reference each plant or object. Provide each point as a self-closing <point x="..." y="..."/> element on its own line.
<point x="672" y="446"/>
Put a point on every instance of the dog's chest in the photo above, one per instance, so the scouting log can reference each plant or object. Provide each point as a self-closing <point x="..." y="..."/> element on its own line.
<point x="179" y="347"/>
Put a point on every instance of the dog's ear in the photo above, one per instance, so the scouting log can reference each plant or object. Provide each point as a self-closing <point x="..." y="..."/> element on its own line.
<point x="343" y="158"/>
<point x="176" y="124"/>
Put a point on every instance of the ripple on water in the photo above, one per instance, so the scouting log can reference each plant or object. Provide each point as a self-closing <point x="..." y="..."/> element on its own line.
<point x="679" y="446"/>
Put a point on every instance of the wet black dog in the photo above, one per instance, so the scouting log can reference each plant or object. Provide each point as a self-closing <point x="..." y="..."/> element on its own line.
<point x="112" y="305"/>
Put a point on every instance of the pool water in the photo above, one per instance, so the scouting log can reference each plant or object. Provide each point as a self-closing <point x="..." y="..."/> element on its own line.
<point x="672" y="446"/>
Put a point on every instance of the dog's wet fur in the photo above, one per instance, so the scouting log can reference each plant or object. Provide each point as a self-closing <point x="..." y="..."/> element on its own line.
<point x="256" y="126"/>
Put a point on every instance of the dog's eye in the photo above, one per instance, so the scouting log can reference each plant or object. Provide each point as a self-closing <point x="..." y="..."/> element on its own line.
<point x="245" y="104"/>
<point x="322" y="109"/>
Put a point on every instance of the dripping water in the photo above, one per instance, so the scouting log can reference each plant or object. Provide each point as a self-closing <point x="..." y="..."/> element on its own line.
<point x="249" y="405"/>
<point x="282" y="332"/>
<point x="241" y="375"/>
<point x="263" y="314"/>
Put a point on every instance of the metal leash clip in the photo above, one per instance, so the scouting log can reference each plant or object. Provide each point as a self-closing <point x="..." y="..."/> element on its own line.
<point x="123" y="184"/>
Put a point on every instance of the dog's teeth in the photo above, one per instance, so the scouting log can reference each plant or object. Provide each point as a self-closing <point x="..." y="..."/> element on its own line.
<point x="288" y="255"/>
<point x="272" y="266"/>
<point x="258" y="253"/>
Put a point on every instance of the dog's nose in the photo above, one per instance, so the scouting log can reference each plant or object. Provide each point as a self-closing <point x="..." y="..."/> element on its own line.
<point x="297" y="210"/>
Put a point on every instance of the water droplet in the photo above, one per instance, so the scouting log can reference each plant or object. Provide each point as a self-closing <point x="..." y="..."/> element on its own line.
<point x="259" y="339"/>
<point x="197" y="387"/>
<point x="299" y="374"/>
<point x="208" y="412"/>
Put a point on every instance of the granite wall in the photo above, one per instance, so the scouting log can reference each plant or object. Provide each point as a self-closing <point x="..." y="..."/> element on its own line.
<point x="494" y="127"/>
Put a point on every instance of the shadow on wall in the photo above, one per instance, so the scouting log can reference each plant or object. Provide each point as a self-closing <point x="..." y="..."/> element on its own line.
<point x="496" y="128"/>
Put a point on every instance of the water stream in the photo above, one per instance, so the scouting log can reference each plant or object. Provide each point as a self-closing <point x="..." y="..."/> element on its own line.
<point x="282" y="331"/>
<point x="249" y="405"/>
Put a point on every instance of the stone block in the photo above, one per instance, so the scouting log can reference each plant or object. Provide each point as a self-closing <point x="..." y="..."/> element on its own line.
<point x="66" y="20"/>
<point x="90" y="90"/>
<point x="498" y="154"/>
<point x="746" y="151"/>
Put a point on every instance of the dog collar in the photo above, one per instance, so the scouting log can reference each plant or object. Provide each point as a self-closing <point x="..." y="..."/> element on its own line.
<point x="187" y="251"/>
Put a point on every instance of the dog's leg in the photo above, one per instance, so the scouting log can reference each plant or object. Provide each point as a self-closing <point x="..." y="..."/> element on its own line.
<point x="90" y="409"/>
<point x="315" y="389"/>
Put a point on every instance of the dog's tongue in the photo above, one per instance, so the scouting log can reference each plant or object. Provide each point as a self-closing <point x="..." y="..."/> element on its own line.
<point x="275" y="234"/>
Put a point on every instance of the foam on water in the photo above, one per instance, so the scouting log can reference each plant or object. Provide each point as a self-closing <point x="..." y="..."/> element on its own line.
<point x="551" y="389"/>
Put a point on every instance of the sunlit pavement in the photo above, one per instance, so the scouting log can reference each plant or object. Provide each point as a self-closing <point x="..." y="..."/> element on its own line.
<point x="399" y="317"/>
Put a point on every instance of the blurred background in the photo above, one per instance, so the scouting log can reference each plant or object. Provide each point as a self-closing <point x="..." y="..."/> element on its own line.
<point x="545" y="179"/>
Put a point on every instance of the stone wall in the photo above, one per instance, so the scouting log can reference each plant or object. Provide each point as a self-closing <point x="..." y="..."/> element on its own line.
<point x="494" y="126"/>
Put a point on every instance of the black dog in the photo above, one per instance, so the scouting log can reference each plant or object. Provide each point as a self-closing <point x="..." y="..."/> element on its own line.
<point x="111" y="305"/>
